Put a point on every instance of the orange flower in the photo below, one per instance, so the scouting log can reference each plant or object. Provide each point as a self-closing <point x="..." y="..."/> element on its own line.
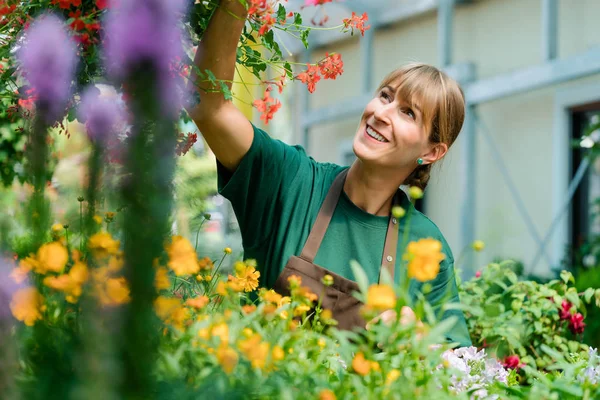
<point x="255" y="350"/>
<point x="51" y="257"/>
<point x="381" y="298"/>
<point x="205" y="264"/>
<point x="327" y="394"/>
<point x="171" y="311"/>
<point x="115" y="292"/>
<point x="356" y="22"/>
<point x="424" y="259"/>
<point x="310" y="77"/>
<point x="331" y="66"/>
<point x="360" y="365"/>
<point x="182" y="256"/>
<point x="277" y="354"/>
<point x="26" y="305"/>
<point x="227" y="358"/>
<point x="198" y="302"/>
<point x="248" y="308"/>
<point x="268" y="106"/>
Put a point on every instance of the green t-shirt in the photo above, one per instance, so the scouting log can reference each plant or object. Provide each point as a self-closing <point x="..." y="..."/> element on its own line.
<point x="276" y="193"/>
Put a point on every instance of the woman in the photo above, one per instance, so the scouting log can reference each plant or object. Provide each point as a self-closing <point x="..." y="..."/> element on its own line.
<point x="301" y="217"/>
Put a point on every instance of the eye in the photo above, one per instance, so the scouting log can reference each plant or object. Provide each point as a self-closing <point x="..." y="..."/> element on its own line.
<point x="410" y="113"/>
<point x="385" y="95"/>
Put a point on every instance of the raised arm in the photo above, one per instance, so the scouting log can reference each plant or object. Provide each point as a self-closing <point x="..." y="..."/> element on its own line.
<point x="227" y="131"/>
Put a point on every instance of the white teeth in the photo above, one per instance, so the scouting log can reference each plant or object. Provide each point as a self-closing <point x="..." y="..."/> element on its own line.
<point x="375" y="135"/>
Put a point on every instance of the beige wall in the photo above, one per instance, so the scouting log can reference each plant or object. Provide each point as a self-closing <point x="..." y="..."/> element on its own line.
<point x="499" y="36"/>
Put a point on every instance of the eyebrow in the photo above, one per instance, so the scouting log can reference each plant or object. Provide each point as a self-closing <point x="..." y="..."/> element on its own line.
<point x="413" y="105"/>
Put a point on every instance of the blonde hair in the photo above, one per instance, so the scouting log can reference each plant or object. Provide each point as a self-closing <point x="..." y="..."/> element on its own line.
<point x="442" y="104"/>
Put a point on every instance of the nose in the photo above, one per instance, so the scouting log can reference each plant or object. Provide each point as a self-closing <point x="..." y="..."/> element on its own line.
<point x="382" y="113"/>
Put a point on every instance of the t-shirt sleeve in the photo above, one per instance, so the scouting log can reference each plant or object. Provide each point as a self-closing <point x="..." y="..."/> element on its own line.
<point x="259" y="183"/>
<point x="444" y="290"/>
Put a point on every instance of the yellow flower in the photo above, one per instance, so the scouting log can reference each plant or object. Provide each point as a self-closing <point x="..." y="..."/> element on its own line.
<point x="248" y="308"/>
<point x="415" y="192"/>
<point x="227" y="250"/>
<point x="301" y="309"/>
<point x="70" y="283"/>
<point x="115" y="292"/>
<point x="205" y="264"/>
<point x="116" y="262"/>
<point x="248" y="276"/>
<point x="102" y="245"/>
<point x="26" y="305"/>
<point x="398" y="212"/>
<point x="392" y="376"/>
<point x="52" y="257"/>
<point x="221" y="331"/>
<point x="171" y="311"/>
<point x="277" y="353"/>
<point x="161" y="279"/>
<point x="294" y="281"/>
<point x="321" y="342"/>
<point x="478" y="245"/>
<point x="381" y="297"/>
<point x="97" y="219"/>
<point x="227" y="358"/>
<point x="255" y="350"/>
<point x="19" y="274"/>
<point x="424" y="259"/>
<point x="235" y="284"/>
<point x="182" y="256"/>
<point x="270" y="296"/>
<point x="199" y="278"/>
<point x="57" y="228"/>
<point x="360" y="365"/>
<point x="327" y="394"/>
<point x="198" y="302"/>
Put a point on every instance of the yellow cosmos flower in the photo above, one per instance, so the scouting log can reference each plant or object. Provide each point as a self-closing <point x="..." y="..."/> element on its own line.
<point x="102" y="245"/>
<point x="227" y="250"/>
<point x="248" y="308"/>
<point x="171" y="311"/>
<point x="327" y="394"/>
<point x="51" y="257"/>
<point x="26" y="305"/>
<point x="248" y="276"/>
<point x="161" y="279"/>
<point x="182" y="256"/>
<point x="221" y="331"/>
<point x="114" y="291"/>
<point x="57" y="228"/>
<point x="205" y="264"/>
<point x="70" y="283"/>
<point x="277" y="354"/>
<point x="360" y="365"/>
<point x="424" y="259"/>
<point x="255" y="350"/>
<point x="392" y="376"/>
<point x="97" y="219"/>
<point x="381" y="297"/>
<point x="198" y="302"/>
<point x="227" y="358"/>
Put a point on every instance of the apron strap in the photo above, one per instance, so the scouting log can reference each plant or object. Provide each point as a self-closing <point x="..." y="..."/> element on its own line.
<point x="388" y="259"/>
<point x="317" y="233"/>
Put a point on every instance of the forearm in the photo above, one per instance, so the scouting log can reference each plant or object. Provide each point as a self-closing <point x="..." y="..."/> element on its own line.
<point x="217" y="53"/>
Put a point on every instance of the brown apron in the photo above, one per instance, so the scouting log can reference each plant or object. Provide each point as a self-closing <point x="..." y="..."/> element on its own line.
<point x="338" y="297"/>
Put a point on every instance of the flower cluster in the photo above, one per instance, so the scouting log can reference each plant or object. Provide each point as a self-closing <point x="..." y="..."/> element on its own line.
<point x="475" y="370"/>
<point x="576" y="324"/>
<point x="591" y="373"/>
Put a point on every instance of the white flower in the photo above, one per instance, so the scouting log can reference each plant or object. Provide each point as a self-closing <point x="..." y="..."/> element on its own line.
<point x="589" y="261"/>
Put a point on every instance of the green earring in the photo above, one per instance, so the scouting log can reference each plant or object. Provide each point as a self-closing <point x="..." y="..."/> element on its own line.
<point x="420" y="161"/>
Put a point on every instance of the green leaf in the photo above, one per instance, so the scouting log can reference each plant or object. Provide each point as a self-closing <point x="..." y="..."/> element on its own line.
<point x="588" y="294"/>
<point x="281" y="13"/>
<point x="567" y="277"/>
<point x="226" y="92"/>
<point x="360" y="276"/>
<point x="297" y="19"/>
<point x="304" y="37"/>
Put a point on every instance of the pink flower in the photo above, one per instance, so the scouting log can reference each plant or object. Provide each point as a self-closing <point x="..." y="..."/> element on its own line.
<point x="478" y="274"/>
<point x="512" y="362"/>
<point x="565" y="312"/>
<point x="576" y="324"/>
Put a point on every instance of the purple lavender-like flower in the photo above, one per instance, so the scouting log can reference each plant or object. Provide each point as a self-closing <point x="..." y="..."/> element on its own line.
<point x="103" y="116"/>
<point x="7" y="288"/>
<point x="146" y="31"/>
<point x="48" y="59"/>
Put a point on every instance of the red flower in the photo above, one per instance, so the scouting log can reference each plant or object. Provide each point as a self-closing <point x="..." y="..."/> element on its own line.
<point x="512" y="362"/>
<point x="66" y="4"/>
<point x="565" y="312"/>
<point x="185" y="142"/>
<point x="332" y="66"/>
<point x="310" y="77"/>
<point x="77" y="24"/>
<point x="102" y="4"/>
<point x="5" y="9"/>
<point x="315" y="2"/>
<point x="268" y="106"/>
<point x="257" y="7"/>
<point x="356" y="22"/>
<point x="576" y="324"/>
<point x="267" y="22"/>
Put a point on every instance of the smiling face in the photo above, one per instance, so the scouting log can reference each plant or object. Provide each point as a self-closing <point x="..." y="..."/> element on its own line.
<point x="417" y="112"/>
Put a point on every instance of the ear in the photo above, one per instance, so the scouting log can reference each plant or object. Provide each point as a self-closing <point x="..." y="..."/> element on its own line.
<point x="436" y="152"/>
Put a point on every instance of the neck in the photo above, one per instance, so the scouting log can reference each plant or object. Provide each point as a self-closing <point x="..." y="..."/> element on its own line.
<point x="372" y="189"/>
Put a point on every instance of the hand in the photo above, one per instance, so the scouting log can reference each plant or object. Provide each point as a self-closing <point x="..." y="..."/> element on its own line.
<point x="407" y="316"/>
